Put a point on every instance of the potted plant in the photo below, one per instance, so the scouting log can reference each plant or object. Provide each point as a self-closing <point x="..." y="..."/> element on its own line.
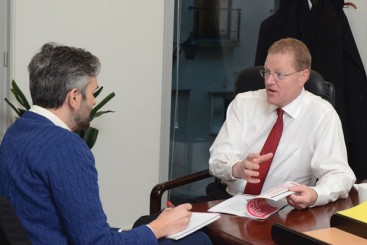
<point x="89" y="135"/>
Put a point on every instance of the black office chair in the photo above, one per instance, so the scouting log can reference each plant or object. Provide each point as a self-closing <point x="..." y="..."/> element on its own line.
<point x="248" y="79"/>
<point x="11" y="230"/>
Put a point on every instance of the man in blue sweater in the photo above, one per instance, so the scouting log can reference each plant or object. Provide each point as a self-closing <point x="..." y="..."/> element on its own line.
<point x="48" y="173"/>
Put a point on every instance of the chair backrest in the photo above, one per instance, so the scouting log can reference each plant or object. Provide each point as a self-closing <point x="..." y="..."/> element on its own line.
<point x="250" y="79"/>
<point x="11" y="230"/>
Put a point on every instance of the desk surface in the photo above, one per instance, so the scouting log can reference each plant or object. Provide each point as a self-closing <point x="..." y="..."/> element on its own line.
<point x="231" y="229"/>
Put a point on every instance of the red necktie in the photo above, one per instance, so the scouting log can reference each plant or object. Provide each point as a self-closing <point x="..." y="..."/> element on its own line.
<point x="270" y="145"/>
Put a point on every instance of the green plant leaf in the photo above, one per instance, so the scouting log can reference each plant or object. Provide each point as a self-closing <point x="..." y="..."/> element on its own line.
<point x="90" y="136"/>
<point x="99" y="113"/>
<point x="20" y="97"/>
<point x="101" y="104"/>
<point x="97" y="92"/>
<point x="13" y="107"/>
<point x="21" y="111"/>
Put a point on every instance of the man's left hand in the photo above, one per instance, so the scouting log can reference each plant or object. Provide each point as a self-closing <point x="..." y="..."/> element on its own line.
<point x="303" y="197"/>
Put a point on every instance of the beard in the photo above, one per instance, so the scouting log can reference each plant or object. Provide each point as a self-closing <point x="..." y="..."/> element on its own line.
<point x="81" y="118"/>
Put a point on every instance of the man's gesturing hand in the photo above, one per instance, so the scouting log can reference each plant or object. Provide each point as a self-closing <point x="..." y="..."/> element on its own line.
<point x="248" y="168"/>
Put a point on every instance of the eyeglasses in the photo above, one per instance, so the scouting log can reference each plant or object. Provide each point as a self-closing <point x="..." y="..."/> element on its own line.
<point x="276" y="75"/>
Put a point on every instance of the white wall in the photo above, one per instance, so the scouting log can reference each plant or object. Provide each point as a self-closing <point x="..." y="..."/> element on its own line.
<point x="358" y="23"/>
<point x="129" y="38"/>
<point x="5" y="118"/>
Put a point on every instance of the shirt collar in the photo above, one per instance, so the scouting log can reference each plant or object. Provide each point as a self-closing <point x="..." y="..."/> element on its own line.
<point x="292" y="109"/>
<point x="49" y="115"/>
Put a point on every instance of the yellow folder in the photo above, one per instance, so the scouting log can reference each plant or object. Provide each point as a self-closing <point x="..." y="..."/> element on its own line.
<point x="358" y="212"/>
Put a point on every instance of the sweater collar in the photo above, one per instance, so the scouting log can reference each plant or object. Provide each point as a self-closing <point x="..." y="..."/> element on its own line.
<point x="49" y="115"/>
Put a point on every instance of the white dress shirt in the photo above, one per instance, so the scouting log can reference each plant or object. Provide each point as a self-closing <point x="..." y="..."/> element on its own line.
<point x="311" y="148"/>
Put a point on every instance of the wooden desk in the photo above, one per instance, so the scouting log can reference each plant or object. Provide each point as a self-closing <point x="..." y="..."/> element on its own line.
<point x="231" y="229"/>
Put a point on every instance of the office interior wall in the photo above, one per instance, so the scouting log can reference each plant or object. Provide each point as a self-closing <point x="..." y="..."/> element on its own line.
<point x="128" y="37"/>
<point x="358" y="23"/>
<point x="5" y="119"/>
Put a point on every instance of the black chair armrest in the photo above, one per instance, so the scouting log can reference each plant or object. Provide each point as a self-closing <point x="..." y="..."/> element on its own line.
<point x="159" y="189"/>
<point x="11" y="229"/>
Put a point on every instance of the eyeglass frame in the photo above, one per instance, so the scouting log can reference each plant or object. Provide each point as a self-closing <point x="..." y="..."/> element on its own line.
<point x="278" y="75"/>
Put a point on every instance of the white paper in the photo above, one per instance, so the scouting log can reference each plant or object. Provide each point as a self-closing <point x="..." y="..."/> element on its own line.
<point x="198" y="220"/>
<point x="258" y="207"/>
<point x="234" y="205"/>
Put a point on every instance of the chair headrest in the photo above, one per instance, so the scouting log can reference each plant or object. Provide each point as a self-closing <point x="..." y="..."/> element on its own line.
<point x="249" y="79"/>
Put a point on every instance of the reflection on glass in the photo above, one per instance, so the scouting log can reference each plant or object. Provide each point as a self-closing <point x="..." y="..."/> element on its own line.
<point x="225" y="35"/>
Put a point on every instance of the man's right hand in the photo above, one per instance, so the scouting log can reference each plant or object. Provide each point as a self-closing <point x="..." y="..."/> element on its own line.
<point x="171" y="220"/>
<point x="247" y="169"/>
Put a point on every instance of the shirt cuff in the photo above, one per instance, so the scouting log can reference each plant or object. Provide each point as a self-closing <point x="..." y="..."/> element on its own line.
<point x="121" y="230"/>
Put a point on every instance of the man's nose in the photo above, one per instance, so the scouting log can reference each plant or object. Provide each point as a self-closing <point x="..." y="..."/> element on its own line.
<point x="269" y="79"/>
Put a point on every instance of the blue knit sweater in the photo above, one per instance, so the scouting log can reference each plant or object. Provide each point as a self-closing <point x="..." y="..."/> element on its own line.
<point x="48" y="174"/>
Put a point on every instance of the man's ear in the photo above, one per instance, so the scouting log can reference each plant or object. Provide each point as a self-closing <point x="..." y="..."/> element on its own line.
<point x="305" y="76"/>
<point x="73" y="98"/>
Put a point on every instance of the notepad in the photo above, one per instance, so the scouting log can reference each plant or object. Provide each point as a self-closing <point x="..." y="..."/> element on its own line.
<point x="198" y="220"/>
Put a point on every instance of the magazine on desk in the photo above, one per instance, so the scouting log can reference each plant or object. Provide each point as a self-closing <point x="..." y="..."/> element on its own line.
<point x="257" y="207"/>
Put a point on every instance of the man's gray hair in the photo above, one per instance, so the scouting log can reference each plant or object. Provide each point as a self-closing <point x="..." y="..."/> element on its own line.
<point x="56" y="70"/>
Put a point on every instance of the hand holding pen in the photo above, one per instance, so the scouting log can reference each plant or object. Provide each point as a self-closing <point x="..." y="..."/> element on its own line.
<point x="170" y="204"/>
<point x="171" y="220"/>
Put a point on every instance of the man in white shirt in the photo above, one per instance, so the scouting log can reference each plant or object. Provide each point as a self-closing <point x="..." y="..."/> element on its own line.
<point x="311" y="150"/>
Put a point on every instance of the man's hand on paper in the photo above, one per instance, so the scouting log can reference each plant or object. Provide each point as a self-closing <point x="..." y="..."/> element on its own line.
<point x="171" y="220"/>
<point x="303" y="197"/>
<point x="248" y="168"/>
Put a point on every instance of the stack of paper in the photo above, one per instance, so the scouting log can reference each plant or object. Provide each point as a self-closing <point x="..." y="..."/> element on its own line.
<point x="197" y="221"/>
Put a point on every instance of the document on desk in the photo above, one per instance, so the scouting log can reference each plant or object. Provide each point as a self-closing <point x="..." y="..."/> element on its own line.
<point x="258" y="207"/>
<point x="198" y="220"/>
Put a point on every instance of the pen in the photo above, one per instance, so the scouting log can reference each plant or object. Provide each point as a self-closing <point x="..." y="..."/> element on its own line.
<point x="170" y="205"/>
